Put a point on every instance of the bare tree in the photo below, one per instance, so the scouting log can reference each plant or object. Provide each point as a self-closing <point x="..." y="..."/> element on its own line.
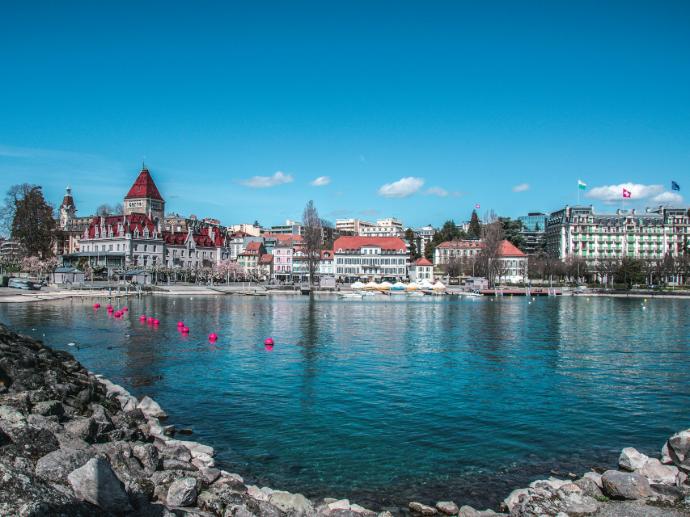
<point x="312" y="239"/>
<point x="105" y="210"/>
<point x="488" y="259"/>
<point x="454" y="267"/>
<point x="607" y="268"/>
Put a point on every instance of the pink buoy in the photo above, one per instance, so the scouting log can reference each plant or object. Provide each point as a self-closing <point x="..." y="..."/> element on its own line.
<point x="185" y="330"/>
<point x="269" y="341"/>
<point x="156" y="322"/>
<point x="124" y="309"/>
<point x="142" y="317"/>
<point x="117" y="314"/>
<point x="110" y="308"/>
<point x="180" y="324"/>
<point x="96" y="305"/>
<point x="212" y="336"/>
<point x="150" y="319"/>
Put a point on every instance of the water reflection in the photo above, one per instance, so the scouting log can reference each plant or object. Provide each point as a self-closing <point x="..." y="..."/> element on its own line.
<point x="413" y="398"/>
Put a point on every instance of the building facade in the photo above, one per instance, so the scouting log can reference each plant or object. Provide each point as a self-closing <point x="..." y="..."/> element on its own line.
<point x="534" y="231"/>
<point x="580" y="232"/>
<point x="421" y="269"/>
<point x="370" y="258"/>
<point x="390" y="227"/>
<point x="350" y="227"/>
<point x="512" y="266"/>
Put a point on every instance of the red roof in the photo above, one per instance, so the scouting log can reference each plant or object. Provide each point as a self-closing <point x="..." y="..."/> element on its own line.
<point x="422" y="262"/>
<point x="129" y="223"/>
<point x="461" y="245"/>
<point x="266" y="258"/>
<point x="253" y="248"/>
<point x="508" y="249"/>
<point x="357" y="243"/>
<point x="175" y="238"/>
<point x="144" y="187"/>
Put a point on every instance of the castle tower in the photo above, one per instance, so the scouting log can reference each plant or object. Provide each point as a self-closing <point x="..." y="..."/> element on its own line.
<point x="68" y="210"/>
<point x="144" y="198"/>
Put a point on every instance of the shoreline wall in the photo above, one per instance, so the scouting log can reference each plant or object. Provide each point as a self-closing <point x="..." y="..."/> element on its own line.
<point x="74" y="443"/>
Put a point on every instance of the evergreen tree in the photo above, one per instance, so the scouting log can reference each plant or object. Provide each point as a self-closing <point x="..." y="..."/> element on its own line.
<point x="448" y="232"/>
<point x="475" y="229"/>
<point x="410" y="237"/>
<point x="513" y="231"/>
<point x="33" y="224"/>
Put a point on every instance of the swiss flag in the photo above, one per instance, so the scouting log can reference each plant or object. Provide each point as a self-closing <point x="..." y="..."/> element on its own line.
<point x="626" y="193"/>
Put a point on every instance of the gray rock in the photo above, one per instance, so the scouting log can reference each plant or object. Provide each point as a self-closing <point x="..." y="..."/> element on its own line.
<point x="151" y="408"/>
<point x="447" y="507"/>
<point x="467" y="511"/>
<point x="631" y="459"/>
<point x="594" y="476"/>
<point x="625" y="485"/>
<point x="96" y="483"/>
<point x="514" y="498"/>
<point x="82" y="428"/>
<point x="422" y="509"/>
<point x="295" y="504"/>
<point x="665" y="456"/>
<point x="360" y="510"/>
<point x="589" y="487"/>
<point x="657" y="473"/>
<point x="218" y="498"/>
<point x="49" y="423"/>
<point x="49" y="408"/>
<point x="174" y="451"/>
<point x="209" y="475"/>
<point x="238" y="510"/>
<point x="170" y="464"/>
<point x="182" y="492"/>
<point x="148" y="455"/>
<point x="56" y="465"/>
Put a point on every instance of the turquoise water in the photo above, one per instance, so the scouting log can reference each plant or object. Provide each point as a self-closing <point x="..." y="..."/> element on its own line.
<point x="389" y="401"/>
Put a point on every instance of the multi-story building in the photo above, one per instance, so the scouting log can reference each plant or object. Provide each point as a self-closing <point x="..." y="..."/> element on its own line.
<point x="282" y="261"/>
<point x="139" y="237"/>
<point x="248" y="229"/>
<point x="580" y="232"/>
<point x="512" y="266"/>
<point x="250" y="258"/>
<point x="266" y="266"/>
<point x="289" y="228"/>
<point x="534" y="231"/>
<point x="464" y="250"/>
<point x="390" y="227"/>
<point x="326" y="263"/>
<point x="70" y="228"/>
<point x="421" y="269"/>
<point x="351" y="226"/>
<point x="424" y="236"/>
<point x="9" y="250"/>
<point x="370" y="257"/>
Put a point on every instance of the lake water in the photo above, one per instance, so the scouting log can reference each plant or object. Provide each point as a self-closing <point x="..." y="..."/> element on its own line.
<point x="387" y="401"/>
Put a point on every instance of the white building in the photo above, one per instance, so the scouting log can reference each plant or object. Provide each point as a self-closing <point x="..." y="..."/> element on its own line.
<point x="370" y="257"/>
<point x="351" y="226"/>
<point x="580" y="232"/>
<point x="390" y="227"/>
<point x="513" y="262"/>
<point x="421" y="269"/>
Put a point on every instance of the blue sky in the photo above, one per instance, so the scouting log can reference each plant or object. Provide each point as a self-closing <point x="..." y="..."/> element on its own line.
<point x="412" y="109"/>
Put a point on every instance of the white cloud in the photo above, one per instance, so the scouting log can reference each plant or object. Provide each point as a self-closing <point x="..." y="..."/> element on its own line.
<point x="279" y="178"/>
<point x="613" y="193"/>
<point x="404" y="187"/>
<point x="437" y="191"/>
<point x="521" y="187"/>
<point x="668" y="198"/>
<point x="321" y="181"/>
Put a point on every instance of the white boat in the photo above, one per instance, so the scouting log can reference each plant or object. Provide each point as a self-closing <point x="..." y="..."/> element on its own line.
<point x="350" y="295"/>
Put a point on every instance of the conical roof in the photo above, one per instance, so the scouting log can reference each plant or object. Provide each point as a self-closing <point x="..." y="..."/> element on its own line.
<point x="144" y="187"/>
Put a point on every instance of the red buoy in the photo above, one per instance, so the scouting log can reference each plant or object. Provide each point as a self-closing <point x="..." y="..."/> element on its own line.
<point x="212" y="336"/>
<point x="269" y="341"/>
<point x="124" y="309"/>
<point x="180" y="324"/>
<point x="156" y="322"/>
<point x="96" y="305"/>
<point x="142" y="317"/>
<point x="185" y="330"/>
<point x="110" y="308"/>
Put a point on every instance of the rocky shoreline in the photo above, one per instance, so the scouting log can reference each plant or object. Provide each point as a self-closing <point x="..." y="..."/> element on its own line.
<point x="73" y="443"/>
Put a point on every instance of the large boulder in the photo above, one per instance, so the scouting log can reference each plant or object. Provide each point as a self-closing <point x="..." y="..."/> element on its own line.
<point x="96" y="483"/>
<point x="295" y="504"/>
<point x="182" y="492"/>
<point x="657" y="473"/>
<point x="631" y="459"/>
<point x="56" y="465"/>
<point x="625" y="485"/>
<point x="151" y="408"/>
